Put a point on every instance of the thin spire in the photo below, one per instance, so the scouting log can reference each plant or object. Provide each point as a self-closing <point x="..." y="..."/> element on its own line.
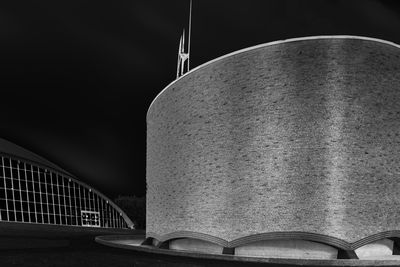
<point x="190" y="30"/>
<point x="179" y="57"/>
<point x="183" y="41"/>
<point x="182" y="55"/>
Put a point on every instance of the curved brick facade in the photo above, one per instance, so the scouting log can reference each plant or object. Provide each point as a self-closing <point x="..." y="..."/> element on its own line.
<point x="297" y="136"/>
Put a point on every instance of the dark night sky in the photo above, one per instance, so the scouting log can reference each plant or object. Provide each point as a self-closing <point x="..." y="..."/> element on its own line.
<point x="77" y="76"/>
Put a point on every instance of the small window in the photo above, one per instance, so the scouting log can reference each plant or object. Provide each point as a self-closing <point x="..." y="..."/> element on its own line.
<point x="90" y="218"/>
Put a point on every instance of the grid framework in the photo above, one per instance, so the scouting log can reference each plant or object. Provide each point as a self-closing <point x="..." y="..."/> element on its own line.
<point x="31" y="193"/>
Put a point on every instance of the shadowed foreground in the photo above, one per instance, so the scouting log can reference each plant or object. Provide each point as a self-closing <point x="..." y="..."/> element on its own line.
<point x="92" y="254"/>
<point x="86" y="252"/>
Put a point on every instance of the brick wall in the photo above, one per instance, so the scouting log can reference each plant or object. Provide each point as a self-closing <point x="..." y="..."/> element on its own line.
<point x="297" y="136"/>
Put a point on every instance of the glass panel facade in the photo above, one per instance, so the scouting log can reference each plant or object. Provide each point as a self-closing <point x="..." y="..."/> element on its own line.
<point x="33" y="194"/>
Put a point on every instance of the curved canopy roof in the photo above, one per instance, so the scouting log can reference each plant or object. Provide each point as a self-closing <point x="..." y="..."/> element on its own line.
<point x="11" y="149"/>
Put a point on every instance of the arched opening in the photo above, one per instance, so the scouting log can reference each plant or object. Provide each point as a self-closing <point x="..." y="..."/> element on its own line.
<point x="293" y="248"/>
<point x="195" y="245"/>
<point x="377" y="250"/>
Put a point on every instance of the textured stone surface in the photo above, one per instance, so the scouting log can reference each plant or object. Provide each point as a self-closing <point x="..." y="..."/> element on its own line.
<point x="298" y="136"/>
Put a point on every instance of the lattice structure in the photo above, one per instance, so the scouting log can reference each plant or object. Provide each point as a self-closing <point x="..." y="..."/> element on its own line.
<point x="32" y="193"/>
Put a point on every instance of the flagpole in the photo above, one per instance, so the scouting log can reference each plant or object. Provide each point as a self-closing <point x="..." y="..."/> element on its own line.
<point x="183" y="53"/>
<point x="182" y="56"/>
<point x="190" y="29"/>
<point x="179" y="58"/>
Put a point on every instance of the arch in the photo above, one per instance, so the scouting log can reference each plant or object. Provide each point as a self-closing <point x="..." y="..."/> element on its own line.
<point x="189" y="234"/>
<point x="320" y="238"/>
<point x="324" y="239"/>
<point x="28" y="158"/>
<point x="288" y="248"/>
<point x="382" y="248"/>
<point x="306" y="236"/>
<point x="375" y="237"/>
<point x="195" y="245"/>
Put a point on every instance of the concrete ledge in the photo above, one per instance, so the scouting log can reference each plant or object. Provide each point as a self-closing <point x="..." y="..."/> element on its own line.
<point x="298" y="249"/>
<point x="196" y="245"/>
<point x="319" y="238"/>
<point x="229" y="260"/>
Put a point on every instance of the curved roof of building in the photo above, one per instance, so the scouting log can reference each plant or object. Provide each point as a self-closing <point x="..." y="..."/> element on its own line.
<point x="13" y="150"/>
<point x="270" y="44"/>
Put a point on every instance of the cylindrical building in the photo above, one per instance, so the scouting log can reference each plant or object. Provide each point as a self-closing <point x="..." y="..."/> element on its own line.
<point x="296" y="139"/>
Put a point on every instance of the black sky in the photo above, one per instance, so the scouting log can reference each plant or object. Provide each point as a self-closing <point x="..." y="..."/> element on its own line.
<point x="77" y="76"/>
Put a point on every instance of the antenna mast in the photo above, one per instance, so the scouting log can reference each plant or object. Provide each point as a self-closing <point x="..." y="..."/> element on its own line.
<point x="190" y="30"/>
<point x="182" y="55"/>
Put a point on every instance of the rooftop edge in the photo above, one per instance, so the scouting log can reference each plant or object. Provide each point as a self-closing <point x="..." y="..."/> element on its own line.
<point x="307" y="38"/>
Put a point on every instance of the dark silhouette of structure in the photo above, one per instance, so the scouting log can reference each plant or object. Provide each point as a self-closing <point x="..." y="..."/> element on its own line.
<point x="35" y="191"/>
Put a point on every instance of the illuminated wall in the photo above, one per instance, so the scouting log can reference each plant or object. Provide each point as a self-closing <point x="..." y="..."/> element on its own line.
<point x="293" y="139"/>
